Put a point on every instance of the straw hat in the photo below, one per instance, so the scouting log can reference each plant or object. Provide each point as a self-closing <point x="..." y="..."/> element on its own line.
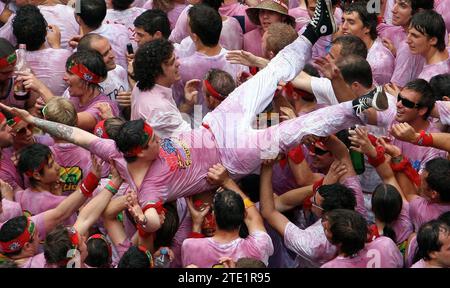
<point x="280" y="6"/>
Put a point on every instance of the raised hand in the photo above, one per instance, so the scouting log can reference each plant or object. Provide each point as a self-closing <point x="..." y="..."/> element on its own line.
<point x="105" y="110"/>
<point x="361" y="143"/>
<point x="404" y="132"/>
<point x="218" y="175"/>
<point x="54" y="36"/>
<point x="336" y="171"/>
<point x="327" y="68"/>
<point x="197" y="215"/>
<point x="242" y="57"/>
<point x="124" y="99"/>
<point x="191" y="91"/>
<point x="21" y="113"/>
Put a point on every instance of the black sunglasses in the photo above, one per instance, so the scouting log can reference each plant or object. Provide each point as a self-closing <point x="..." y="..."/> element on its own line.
<point x="407" y="103"/>
<point x="316" y="150"/>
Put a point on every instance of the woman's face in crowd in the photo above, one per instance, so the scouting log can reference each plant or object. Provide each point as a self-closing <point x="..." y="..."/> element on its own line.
<point x="77" y="87"/>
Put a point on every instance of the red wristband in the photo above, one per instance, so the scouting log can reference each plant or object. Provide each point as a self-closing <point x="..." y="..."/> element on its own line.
<point x="89" y="184"/>
<point x="372" y="139"/>
<point x="317" y="184"/>
<point x="425" y="139"/>
<point x="379" y="159"/>
<point x="196" y="235"/>
<point x="405" y="166"/>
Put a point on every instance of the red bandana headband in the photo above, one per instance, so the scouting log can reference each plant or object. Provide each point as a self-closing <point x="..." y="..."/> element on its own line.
<point x="158" y="207"/>
<point x="100" y="130"/>
<point x="148" y="133"/>
<point x="9" y="60"/>
<point x="29" y="173"/>
<point x="2" y="117"/>
<point x="213" y="91"/>
<point x="102" y="237"/>
<point x="84" y="73"/>
<point x="17" y="243"/>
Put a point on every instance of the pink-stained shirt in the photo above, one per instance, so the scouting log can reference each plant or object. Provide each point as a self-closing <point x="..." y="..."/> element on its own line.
<point x="37" y="261"/>
<point x="310" y="244"/>
<point x="8" y="171"/>
<point x="180" y="31"/>
<point x="231" y="37"/>
<point x="205" y="252"/>
<point x="179" y="170"/>
<point x="158" y="108"/>
<point x="443" y="8"/>
<point x="59" y="15"/>
<point x="252" y="42"/>
<point x="118" y="38"/>
<point x="407" y="65"/>
<point x="38" y="202"/>
<point x="420" y="264"/>
<point x="49" y="66"/>
<point x="196" y="67"/>
<point x="9" y="99"/>
<point x="421" y="211"/>
<point x="396" y="34"/>
<point x="403" y="226"/>
<point x="412" y="250"/>
<point x="381" y="61"/>
<point x="380" y="253"/>
<point x="62" y="16"/>
<point x="139" y="3"/>
<point x="444" y="111"/>
<point x="75" y="163"/>
<point x="237" y="9"/>
<point x="301" y="17"/>
<point x="430" y="70"/>
<point x="89" y="107"/>
<point x="126" y="18"/>
<point x="10" y="210"/>
<point x="172" y="14"/>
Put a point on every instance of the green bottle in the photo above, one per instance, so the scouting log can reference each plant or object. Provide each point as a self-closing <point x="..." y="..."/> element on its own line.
<point x="358" y="161"/>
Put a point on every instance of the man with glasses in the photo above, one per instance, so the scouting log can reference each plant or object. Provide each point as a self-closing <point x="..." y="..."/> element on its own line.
<point x="413" y="105"/>
<point x="310" y="244"/>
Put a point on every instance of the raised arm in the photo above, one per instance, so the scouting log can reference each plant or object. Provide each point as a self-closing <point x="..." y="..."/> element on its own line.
<point x="92" y="211"/>
<point x="115" y="228"/>
<point x="71" y="134"/>
<point x="404" y="132"/>
<point x="219" y="175"/>
<point x="361" y="143"/>
<point x="329" y="70"/>
<point x="267" y="206"/>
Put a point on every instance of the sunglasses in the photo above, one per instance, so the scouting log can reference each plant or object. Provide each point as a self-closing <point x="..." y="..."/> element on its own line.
<point x="314" y="203"/>
<point x="317" y="151"/>
<point x="407" y="103"/>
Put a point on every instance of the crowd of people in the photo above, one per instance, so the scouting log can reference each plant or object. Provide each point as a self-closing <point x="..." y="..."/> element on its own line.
<point x="224" y="133"/>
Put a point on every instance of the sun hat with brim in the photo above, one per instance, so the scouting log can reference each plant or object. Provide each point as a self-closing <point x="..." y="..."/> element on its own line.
<point x="280" y="6"/>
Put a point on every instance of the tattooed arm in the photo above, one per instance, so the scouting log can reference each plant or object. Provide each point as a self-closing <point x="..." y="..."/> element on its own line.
<point x="71" y="134"/>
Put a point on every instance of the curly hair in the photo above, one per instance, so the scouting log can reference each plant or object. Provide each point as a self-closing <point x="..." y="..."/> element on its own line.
<point x="148" y="62"/>
<point x="30" y="27"/>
